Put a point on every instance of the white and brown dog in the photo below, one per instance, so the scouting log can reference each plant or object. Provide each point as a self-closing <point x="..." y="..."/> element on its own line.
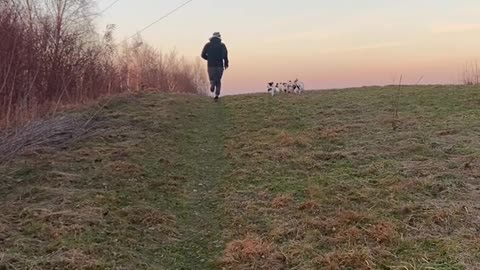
<point x="272" y="88"/>
<point x="296" y="87"/>
<point x="277" y="88"/>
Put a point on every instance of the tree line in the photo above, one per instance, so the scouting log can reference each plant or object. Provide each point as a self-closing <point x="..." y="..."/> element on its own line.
<point x="52" y="55"/>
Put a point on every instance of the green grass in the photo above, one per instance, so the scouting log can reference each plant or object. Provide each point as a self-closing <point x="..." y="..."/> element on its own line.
<point x="318" y="181"/>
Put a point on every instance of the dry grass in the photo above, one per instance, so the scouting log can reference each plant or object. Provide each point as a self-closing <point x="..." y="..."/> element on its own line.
<point x="63" y="222"/>
<point x="90" y="205"/>
<point x="324" y="183"/>
<point x="350" y="259"/>
<point x="282" y="201"/>
<point x="355" y="194"/>
<point x="41" y="134"/>
<point x="252" y="251"/>
<point x="60" y="259"/>
<point x="123" y="168"/>
<point x="150" y="219"/>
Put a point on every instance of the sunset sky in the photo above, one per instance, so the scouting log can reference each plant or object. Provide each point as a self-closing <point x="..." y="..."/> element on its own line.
<point x="325" y="43"/>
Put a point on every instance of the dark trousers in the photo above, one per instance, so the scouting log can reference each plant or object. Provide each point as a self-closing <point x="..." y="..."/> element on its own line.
<point x="215" y="75"/>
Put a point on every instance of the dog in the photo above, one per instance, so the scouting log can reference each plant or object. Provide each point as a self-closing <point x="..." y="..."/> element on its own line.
<point x="296" y="87"/>
<point x="273" y="88"/>
<point x="282" y="87"/>
<point x="277" y="88"/>
<point x="291" y="87"/>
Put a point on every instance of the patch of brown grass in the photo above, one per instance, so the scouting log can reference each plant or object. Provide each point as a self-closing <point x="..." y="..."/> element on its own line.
<point x="441" y="217"/>
<point x="328" y="156"/>
<point x="303" y="140"/>
<point x="351" y="217"/>
<point x="300" y="140"/>
<point x="357" y="259"/>
<point x="123" y="169"/>
<point x="374" y="168"/>
<point x="407" y="186"/>
<point x="150" y="219"/>
<point x="240" y="174"/>
<point x="436" y="219"/>
<point x="453" y="216"/>
<point x="67" y="259"/>
<point x="63" y="177"/>
<point x="314" y="191"/>
<point x="331" y="133"/>
<point x="120" y="155"/>
<point x="104" y="199"/>
<point x="59" y="223"/>
<point x="383" y="232"/>
<point x="53" y="197"/>
<point x="447" y="132"/>
<point x="349" y="235"/>
<point x="334" y="225"/>
<point x="282" y="201"/>
<point x="293" y="229"/>
<point x="72" y="259"/>
<point x="285" y="139"/>
<point x="283" y="154"/>
<point x="252" y="252"/>
<point x="310" y="205"/>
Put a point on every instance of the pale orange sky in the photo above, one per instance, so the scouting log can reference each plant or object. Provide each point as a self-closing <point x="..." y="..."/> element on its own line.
<point x="327" y="44"/>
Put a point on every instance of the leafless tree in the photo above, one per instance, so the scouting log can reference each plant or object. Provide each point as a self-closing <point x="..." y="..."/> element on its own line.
<point x="471" y="73"/>
<point x="51" y="55"/>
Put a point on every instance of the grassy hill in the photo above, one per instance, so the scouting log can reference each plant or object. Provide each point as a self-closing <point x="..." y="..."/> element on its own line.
<point x="326" y="180"/>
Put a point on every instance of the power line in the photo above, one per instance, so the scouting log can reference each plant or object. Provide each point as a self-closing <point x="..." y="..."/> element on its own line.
<point x="160" y="19"/>
<point x="145" y="28"/>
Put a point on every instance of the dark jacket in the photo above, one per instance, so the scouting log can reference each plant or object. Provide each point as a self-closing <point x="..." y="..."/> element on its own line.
<point x="216" y="53"/>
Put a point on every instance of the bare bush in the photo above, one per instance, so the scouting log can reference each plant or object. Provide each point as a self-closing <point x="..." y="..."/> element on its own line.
<point x="143" y="67"/>
<point x="42" y="134"/>
<point x="51" y="56"/>
<point x="471" y="73"/>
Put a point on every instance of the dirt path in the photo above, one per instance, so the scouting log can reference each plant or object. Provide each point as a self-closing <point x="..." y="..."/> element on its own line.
<point x="201" y="145"/>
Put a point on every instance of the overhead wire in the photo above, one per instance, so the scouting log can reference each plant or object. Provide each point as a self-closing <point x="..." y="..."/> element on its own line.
<point x="160" y="19"/>
<point x="137" y="33"/>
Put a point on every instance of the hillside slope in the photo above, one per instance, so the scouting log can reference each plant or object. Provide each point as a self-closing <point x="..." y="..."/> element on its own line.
<point x="326" y="180"/>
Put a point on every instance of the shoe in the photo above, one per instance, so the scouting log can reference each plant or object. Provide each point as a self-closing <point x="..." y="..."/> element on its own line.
<point x="216" y="98"/>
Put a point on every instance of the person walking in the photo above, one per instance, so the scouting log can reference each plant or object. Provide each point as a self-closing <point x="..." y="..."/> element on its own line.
<point x="216" y="54"/>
